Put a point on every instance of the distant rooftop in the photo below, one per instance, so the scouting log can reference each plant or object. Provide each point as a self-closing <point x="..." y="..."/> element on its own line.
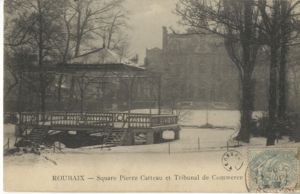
<point x="101" y="56"/>
<point x="101" y="59"/>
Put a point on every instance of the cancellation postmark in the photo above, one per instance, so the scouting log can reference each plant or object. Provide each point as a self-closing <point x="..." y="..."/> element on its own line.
<point x="272" y="170"/>
<point x="232" y="160"/>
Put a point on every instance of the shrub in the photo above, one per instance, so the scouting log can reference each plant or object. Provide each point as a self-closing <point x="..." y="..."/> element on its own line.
<point x="290" y="126"/>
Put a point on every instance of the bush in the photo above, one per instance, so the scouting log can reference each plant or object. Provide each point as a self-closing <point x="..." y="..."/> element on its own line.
<point x="287" y="127"/>
<point x="259" y="126"/>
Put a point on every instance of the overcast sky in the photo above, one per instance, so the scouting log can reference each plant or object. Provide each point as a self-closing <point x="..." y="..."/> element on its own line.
<point x="146" y="20"/>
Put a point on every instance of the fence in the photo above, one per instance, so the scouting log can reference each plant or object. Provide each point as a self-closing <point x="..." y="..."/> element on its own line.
<point x="168" y="147"/>
<point x="194" y="145"/>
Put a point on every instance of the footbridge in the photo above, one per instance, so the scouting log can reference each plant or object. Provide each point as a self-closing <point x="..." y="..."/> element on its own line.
<point x="118" y="128"/>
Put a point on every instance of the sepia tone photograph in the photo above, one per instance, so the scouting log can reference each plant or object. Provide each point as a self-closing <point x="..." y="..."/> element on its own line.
<point x="151" y="96"/>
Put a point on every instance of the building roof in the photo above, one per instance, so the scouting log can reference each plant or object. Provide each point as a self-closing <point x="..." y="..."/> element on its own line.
<point x="98" y="56"/>
<point x="101" y="56"/>
<point x="100" y="60"/>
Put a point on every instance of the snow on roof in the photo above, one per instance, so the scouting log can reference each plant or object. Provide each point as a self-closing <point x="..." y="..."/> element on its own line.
<point x="101" y="56"/>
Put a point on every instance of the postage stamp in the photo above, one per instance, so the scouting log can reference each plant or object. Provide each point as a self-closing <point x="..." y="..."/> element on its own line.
<point x="273" y="170"/>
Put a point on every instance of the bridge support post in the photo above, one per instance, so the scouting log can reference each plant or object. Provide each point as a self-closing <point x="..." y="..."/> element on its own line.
<point x="161" y="136"/>
<point x="129" y="138"/>
<point x="177" y="134"/>
<point x="150" y="137"/>
<point x="158" y="137"/>
<point x="18" y="131"/>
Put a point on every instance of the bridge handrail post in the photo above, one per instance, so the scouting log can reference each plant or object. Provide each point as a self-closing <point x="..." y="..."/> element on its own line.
<point x="113" y="115"/>
<point x="37" y="118"/>
<point x="20" y="118"/>
<point x="65" y="117"/>
<point x="51" y="119"/>
<point x="128" y="119"/>
<point x="150" y="120"/>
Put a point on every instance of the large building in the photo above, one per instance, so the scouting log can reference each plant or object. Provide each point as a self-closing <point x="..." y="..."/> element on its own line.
<point x="195" y="68"/>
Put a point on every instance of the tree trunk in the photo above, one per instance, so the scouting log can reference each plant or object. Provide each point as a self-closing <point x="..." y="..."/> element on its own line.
<point x="248" y="62"/>
<point x="20" y="93"/>
<point x="78" y="35"/>
<point x="82" y="89"/>
<point x="159" y="95"/>
<point x="71" y="93"/>
<point x="272" y="96"/>
<point x="81" y="100"/>
<point x="103" y="89"/>
<point x="42" y="95"/>
<point x="111" y="31"/>
<point x="246" y="109"/>
<point x="60" y="80"/>
<point x="282" y="83"/>
<point x="42" y="76"/>
<point x="285" y="33"/>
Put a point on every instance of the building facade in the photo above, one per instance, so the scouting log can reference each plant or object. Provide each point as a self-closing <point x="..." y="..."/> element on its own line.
<point x="195" y="68"/>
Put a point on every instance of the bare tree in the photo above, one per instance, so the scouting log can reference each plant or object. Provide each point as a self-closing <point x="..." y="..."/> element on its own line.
<point x="37" y="27"/>
<point x="68" y="16"/>
<point x="82" y="85"/>
<point x="118" y="22"/>
<point x="54" y="31"/>
<point x="121" y="45"/>
<point x="91" y="17"/>
<point x="278" y="19"/>
<point x="236" y="22"/>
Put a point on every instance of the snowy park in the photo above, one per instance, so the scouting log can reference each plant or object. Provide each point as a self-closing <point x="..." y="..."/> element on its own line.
<point x="152" y="87"/>
<point x="194" y="140"/>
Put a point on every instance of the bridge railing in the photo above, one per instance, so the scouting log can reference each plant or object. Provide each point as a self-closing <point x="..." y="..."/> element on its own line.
<point x="97" y="120"/>
<point x="81" y="119"/>
<point x="163" y="120"/>
<point x="139" y="121"/>
<point x="148" y="121"/>
<point x="29" y="118"/>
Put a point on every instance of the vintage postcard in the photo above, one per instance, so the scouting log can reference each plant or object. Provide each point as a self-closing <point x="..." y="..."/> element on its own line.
<point x="151" y="96"/>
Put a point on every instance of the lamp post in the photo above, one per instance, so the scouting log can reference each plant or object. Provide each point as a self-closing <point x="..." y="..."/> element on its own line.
<point x="159" y="95"/>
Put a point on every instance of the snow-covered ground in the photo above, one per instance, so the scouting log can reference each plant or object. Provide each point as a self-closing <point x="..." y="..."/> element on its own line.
<point x="34" y="173"/>
<point x="27" y="172"/>
<point x="192" y="140"/>
<point x="199" y="151"/>
<point x="9" y="135"/>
